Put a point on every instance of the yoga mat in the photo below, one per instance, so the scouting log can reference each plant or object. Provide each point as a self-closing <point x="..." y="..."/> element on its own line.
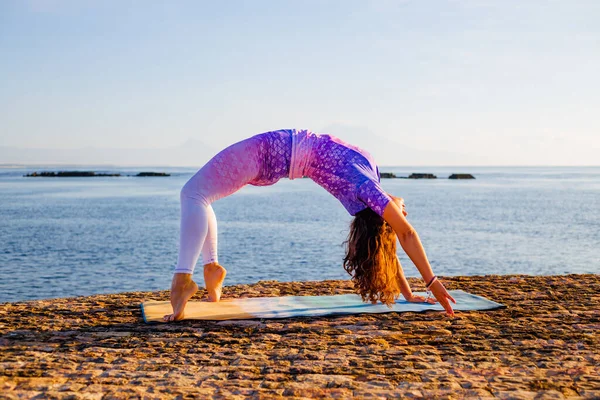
<point x="304" y="306"/>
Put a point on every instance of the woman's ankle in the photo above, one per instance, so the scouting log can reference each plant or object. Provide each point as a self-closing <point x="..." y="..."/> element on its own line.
<point x="212" y="265"/>
<point x="180" y="278"/>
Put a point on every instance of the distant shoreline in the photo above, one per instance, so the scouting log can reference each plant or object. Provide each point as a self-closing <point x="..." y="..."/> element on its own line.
<point x="89" y="174"/>
<point x="94" y="174"/>
<point x="141" y="166"/>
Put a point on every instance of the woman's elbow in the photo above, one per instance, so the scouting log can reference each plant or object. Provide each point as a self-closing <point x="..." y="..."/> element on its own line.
<point x="407" y="234"/>
<point x="393" y="216"/>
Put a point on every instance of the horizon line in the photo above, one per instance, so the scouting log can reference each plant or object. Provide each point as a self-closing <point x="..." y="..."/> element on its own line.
<point x="18" y="165"/>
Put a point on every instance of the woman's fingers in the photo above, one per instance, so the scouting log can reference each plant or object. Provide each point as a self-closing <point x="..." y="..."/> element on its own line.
<point x="422" y="299"/>
<point x="447" y="307"/>
<point x="440" y="293"/>
<point x="452" y="298"/>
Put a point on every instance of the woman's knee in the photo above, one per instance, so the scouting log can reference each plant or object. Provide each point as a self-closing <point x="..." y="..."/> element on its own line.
<point x="191" y="191"/>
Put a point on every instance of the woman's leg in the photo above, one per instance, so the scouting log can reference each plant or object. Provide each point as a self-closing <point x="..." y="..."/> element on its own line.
<point x="192" y="232"/>
<point x="214" y="274"/>
<point x="223" y="175"/>
<point x="192" y="236"/>
<point x="209" y="249"/>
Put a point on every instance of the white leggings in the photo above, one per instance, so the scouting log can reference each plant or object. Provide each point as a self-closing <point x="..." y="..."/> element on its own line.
<point x="224" y="174"/>
<point x="198" y="234"/>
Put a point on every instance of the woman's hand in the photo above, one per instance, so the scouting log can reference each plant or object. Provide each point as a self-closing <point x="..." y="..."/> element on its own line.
<point x="442" y="295"/>
<point x="420" y="299"/>
<point x="393" y="214"/>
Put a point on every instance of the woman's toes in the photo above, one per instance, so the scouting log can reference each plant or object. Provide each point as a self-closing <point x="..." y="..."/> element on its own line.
<point x="169" y="318"/>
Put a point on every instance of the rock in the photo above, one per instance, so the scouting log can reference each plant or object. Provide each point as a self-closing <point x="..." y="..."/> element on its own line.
<point x="422" y="176"/>
<point x="387" y="175"/>
<point x="461" y="176"/>
<point x="153" y="174"/>
<point x="68" y="174"/>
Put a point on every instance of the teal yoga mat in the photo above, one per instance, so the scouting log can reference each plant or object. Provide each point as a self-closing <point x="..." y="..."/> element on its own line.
<point x="306" y="306"/>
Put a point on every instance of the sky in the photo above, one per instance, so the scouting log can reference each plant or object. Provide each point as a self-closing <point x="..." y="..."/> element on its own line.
<point x="429" y="82"/>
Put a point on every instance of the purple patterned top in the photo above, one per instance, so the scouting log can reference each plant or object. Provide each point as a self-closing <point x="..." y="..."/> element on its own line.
<point x="347" y="172"/>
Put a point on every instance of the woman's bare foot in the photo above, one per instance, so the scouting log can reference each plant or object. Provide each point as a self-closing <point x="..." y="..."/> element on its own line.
<point x="182" y="289"/>
<point x="214" y="275"/>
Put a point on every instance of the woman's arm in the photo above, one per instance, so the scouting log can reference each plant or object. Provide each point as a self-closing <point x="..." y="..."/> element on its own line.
<point x="404" y="286"/>
<point x="411" y="244"/>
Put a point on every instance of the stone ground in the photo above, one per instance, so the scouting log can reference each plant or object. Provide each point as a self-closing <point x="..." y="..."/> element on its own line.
<point x="545" y="345"/>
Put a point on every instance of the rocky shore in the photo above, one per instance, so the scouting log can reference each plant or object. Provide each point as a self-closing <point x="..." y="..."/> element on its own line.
<point x="391" y="175"/>
<point x="544" y="345"/>
<point x="87" y="174"/>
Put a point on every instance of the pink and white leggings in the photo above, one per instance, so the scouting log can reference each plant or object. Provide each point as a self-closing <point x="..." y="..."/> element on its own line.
<point x="223" y="175"/>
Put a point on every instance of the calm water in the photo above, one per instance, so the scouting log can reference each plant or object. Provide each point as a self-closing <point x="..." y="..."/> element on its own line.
<point x="78" y="236"/>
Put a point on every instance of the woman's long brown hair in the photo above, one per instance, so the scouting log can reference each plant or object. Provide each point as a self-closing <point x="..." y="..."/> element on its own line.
<point x="371" y="258"/>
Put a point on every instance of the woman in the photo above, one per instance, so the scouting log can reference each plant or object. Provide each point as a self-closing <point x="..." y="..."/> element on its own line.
<point x="345" y="171"/>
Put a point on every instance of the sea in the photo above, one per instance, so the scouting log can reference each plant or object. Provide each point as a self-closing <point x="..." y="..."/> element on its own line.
<point x="65" y="237"/>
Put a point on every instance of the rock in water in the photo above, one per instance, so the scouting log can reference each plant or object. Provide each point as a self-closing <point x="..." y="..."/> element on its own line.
<point x="153" y="174"/>
<point x="422" y="176"/>
<point x="461" y="176"/>
<point x="385" y="175"/>
<point x="69" y="174"/>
